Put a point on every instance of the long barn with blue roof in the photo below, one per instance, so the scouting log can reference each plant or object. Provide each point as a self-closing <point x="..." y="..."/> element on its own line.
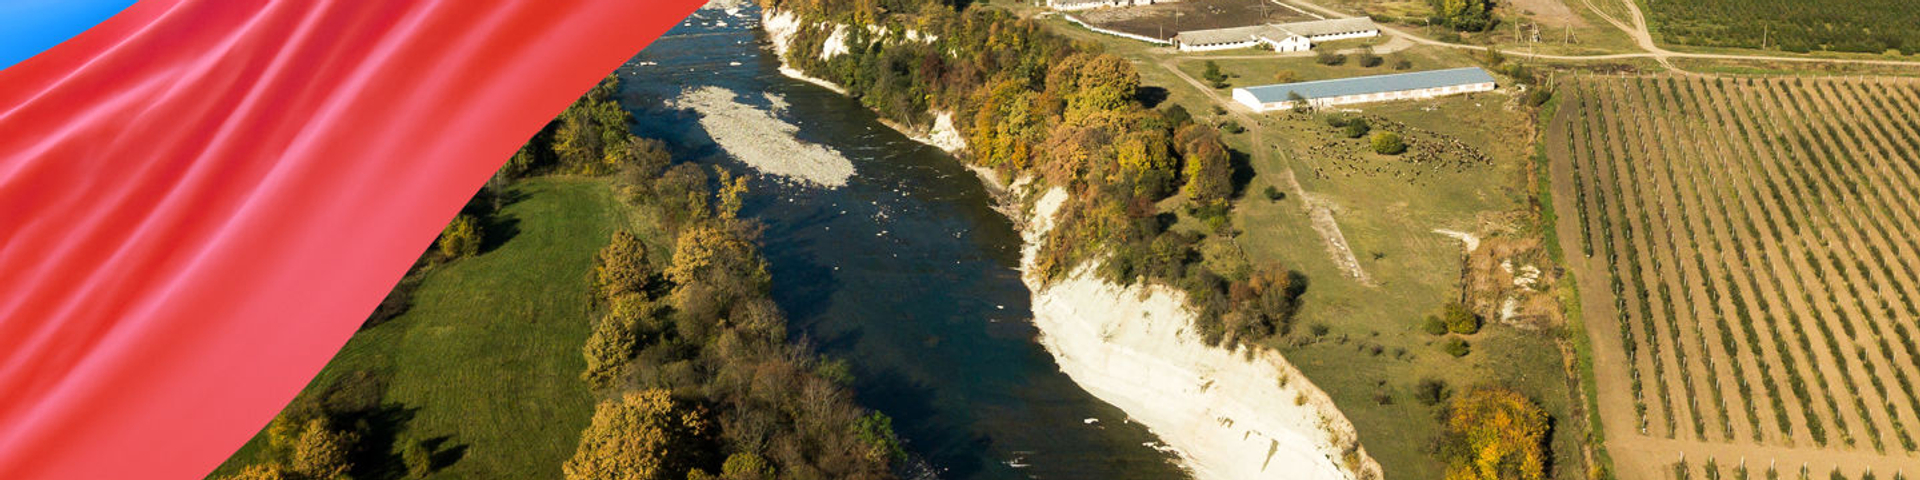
<point x="1377" y="88"/>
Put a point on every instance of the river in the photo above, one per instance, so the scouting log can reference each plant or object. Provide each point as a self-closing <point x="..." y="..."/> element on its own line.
<point x="905" y="271"/>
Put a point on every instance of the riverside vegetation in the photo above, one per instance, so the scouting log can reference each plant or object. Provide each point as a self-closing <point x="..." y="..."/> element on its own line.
<point x="1151" y="188"/>
<point x="687" y="355"/>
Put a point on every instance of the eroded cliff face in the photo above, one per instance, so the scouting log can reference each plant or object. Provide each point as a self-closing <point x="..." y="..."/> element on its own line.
<point x="1231" y="414"/>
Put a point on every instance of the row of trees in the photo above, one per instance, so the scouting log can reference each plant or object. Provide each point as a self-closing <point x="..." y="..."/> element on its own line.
<point x="1030" y="103"/>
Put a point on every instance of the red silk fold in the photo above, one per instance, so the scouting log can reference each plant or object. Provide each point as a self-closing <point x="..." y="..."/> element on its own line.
<point x="200" y="200"/>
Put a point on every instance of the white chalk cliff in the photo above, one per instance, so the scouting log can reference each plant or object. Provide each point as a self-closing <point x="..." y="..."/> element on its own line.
<point x="1231" y="414"/>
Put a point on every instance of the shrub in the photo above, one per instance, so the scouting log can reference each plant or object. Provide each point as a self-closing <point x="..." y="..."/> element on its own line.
<point x="1274" y="193"/>
<point x="1388" y="143"/>
<point x="1286" y="76"/>
<point x="1231" y="126"/>
<point x="418" y="460"/>
<point x="1356" y="128"/>
<point x="1318" y="329"/>
<point x="1538" y="96"/>
<point x="1326" y="57"/>
<point x="1431" y="391"/>
<point x="1402" y="64"/>
<point x="1456" y="347"/>
<point x="461" y="238"/>
<point x="1494" y="434"/>
<point x="1460" y="320"/>
<point x="1433" y="325"/>
<point x="1214" y="76"/>
<point x="1368" y="59"/>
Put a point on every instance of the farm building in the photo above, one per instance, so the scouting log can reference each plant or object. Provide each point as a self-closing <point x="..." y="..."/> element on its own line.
<point x="1072" y="5"/>
<point x="1283" y="37"/>
<point x="1377" y="88"/>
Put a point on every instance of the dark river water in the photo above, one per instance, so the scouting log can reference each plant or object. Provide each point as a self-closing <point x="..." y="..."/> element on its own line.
<point x="906" y="272"/>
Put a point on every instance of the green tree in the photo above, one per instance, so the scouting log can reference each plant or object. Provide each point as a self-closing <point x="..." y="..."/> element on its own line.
<point x="1388" y="143"/>
<point x="876" y="431"/>
<point x="1433" y="325"/>
<point x="1356" y="128"/>
<point x="461" y="238"/>
<point x="644" y="435"/>
<point x="1464" y="15"/>
<point x="1214" y="76"/>
<point x="1460" y="319"/>
<point x="417" y="458"/>
<point x="746" y="466"/>
<point x="1455" y="346"/>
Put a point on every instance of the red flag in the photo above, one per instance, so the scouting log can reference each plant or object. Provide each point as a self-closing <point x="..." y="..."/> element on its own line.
<point x="200" y="200"/>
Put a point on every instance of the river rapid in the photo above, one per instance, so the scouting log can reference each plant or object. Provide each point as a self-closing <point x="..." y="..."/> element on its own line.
<point x="894" y="260"/>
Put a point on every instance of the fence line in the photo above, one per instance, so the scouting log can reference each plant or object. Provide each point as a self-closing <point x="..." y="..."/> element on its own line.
<point x="1143" y="38"/>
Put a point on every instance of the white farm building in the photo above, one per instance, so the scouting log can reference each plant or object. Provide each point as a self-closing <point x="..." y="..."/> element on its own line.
<point x="1076" y="5"/>
<point x="1377" y="88"/>
<point x="1283" y="37"/>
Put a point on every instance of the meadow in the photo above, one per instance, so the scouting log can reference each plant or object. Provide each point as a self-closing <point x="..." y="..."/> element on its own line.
<point x="485" y="365"/>
<point x="1749" y="280"/>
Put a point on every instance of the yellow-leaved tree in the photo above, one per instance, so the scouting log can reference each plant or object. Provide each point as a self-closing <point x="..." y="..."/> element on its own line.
<point x="644" y="435"/>
<point x="1494" y="434"/>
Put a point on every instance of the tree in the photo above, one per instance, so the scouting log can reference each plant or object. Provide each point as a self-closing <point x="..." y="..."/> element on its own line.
<point x="644" y="435"/>
<point x="746" y="466"/>
<point x="1493" y="433"/>
<point x="622" y="266"/>
<point x="1464" y="15"/>
<point x="1460" y="320"/>
<point x="321" y="452"/>
<point x="1329" y="58"/>
<point x="461" y="238"/>
<point x="1355" y="128"/>
<point x="1209" y="176"/>
<point x="259" y="472"/>
<point x="612" y="343"/>
<point x="1368" y="58"/>
<point x="1299" y="102"/>
<point x="876" y="431"/>
<point x="417" y="458"/>
<point x="732" y="194"/>
<point x="1214" y="76"/>
<point x="1388" y="143"/>
<point x="1431" y="391"/>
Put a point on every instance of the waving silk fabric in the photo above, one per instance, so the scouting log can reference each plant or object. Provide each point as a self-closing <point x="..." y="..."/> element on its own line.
<point x="201" y="200"/>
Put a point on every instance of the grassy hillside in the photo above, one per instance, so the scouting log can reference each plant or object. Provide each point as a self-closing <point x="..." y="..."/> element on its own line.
<point x="485" y="366"/>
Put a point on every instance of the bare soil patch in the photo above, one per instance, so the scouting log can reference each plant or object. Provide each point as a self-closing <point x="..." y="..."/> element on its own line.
<point x="1164" y="20"/>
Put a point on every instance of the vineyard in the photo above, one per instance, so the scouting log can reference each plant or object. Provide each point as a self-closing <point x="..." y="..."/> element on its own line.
<point x="1869" y="26"/>
<point x="1751" y="265"/>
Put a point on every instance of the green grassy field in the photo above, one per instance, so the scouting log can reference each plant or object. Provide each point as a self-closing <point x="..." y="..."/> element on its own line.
<point x="1388" y="218"/>
<point x="486" y="364"/>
